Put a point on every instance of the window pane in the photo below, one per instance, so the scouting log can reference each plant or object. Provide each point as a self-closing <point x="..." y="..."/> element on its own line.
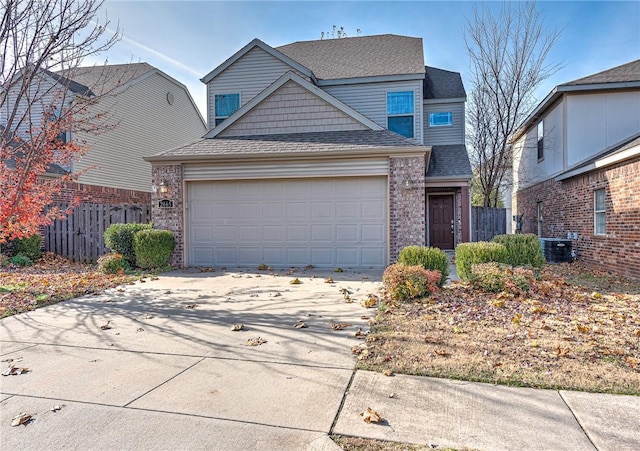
<point x="227" y="104"/>
<point x="402" y="125"/>
<point x="440" y="119"/>
<point x="540" y="140"/>
<point x="600" y="200"/>
<point x="400" y="102"/>
<point x="600" y="223"/>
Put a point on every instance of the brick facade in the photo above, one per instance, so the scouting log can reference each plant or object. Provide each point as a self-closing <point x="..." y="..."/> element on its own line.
<point x="407" y="215"/>
<point x="100" y="194"/>
<point x="567" y="206"/>
<point x="170" y="218"/>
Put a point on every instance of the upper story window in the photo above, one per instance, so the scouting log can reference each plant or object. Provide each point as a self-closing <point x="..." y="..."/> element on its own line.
<point x="440" y="119"/>
<point x="540" y="140"/>
<point x="400" y="113"/>
<point x="226" y="105"/>
<point x="599" y="212"/>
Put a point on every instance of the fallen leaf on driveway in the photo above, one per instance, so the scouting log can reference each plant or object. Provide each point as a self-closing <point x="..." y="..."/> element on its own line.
<point x="56" y="408"/>
<point x="191" y="306"/>
<point x="256" y="341"/>
<point x="309" y="267"/>
<point x="106" y="326"/>
<point x="277" y="294"/>
<point x="139" y="329"/>
<point x="147" y="317"/>
<point x="371" y="416"/>
<point x="295" y="281"/>
<point x="300" y="325"/>
<point x="14" y="371"/>
<point x="339" y="326"/>
<point x="21" y="418"/>
<point x="370" y="302"/>
<point x="388" y="373"/>
<point x="338" y="270"/>
<point x="360" y="335"/>
<point x="329" y="280"/>
<point x="237" y="327"/>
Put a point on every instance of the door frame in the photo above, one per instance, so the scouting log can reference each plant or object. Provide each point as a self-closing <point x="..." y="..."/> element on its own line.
<point x="428" y="219"/>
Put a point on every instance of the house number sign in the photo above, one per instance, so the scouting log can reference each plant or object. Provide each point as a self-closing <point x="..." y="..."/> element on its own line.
<point x="165" y="203"/>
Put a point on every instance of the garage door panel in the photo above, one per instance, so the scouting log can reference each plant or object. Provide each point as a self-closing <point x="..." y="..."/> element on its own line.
<point x="372" y="233"/>
<point x="347" y="233"/>
<point x="298" y="233"/>
<point x="325" y="222"/>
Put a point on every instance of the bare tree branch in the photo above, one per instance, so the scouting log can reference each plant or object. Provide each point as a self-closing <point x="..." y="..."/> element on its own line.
<point x="508" y="53"/>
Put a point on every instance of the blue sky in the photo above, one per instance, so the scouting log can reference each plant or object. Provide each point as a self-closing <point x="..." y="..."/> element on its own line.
<point x="188" y="39"/>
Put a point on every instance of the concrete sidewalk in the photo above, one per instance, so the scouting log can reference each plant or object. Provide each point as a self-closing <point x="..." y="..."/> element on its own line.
<point x="169" y="373"/>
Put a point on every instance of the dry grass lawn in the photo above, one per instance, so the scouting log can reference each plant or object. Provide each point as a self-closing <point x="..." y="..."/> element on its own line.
<point x="575" y="329"/>
<point x="365" y="444"/>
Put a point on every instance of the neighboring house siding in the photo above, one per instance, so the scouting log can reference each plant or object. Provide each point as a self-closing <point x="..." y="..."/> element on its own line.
<point x="43" y="93"/>
<point x="248" y="76"/>
<point x="371" y="100"/>
<point x="144" y="124"/>
<point x="451" y="134"/>
<point x="598" y="121"/>
<point x="527" y="169"/>
<point x="292" y="109"/>
<point x="568" y="206"/>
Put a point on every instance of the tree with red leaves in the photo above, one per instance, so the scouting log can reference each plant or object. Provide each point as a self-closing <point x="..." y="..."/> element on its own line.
<point x="42" y="44"/>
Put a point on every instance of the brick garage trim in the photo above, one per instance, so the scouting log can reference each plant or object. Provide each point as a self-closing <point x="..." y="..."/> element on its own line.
<point x="170" y="218"/>
<point x="568" y="207"/>
<point x="407" y="215"/>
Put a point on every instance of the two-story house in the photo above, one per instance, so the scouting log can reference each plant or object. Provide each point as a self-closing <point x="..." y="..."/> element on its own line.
<point x="138" y="109"/>
<point x="577" y="168"/>
<point x="332" y="153"/>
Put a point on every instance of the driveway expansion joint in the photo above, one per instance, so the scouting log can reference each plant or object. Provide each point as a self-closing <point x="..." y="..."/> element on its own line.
<point x="577" y="419"/>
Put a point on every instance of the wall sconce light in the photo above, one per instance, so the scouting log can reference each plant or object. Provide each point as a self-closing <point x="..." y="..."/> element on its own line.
<point x="164" y="187"/>
<point x="406" y="183"/>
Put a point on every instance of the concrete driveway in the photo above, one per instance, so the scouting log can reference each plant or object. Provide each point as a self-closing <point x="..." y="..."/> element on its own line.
<point x="167" y="371"/>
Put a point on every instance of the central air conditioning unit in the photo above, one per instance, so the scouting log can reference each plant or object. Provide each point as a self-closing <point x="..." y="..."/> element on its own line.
<point x="556" y="250"/>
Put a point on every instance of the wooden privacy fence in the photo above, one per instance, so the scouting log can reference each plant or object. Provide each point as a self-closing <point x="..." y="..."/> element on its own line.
<point x="79" y="236"/>
<point x="487" y="222"/>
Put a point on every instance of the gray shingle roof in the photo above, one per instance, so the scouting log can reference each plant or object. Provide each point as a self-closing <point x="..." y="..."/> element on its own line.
<point x="362" y="56"/>
<point x="106" y="78"/>
<point x="442" y="84"/>
<point x="71" y="85"/>
<point x="619" y="74"/>
<point x="449" y="161"/>
<point x="317" y="142"/>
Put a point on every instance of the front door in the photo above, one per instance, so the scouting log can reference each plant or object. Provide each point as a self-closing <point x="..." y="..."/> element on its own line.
<point x="441" y="221"/>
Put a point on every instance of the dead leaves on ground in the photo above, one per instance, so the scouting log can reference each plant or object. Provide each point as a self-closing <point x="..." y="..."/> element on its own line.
<point x="556" y="335"/>
<point x="51" y="279"/>
<point x="255" y="341"/>
<point x="339" y="326"/>
<point x="15" y="371"/>
<point x="21" y="419"/>
<point x="371" y="416"/>
<point x="237" y="327"/>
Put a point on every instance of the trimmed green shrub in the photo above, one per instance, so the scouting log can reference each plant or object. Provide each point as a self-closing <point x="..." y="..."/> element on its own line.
<point x="481" y="252"/>
<point x="21" y="260"/>
<point x="153" y="248"/>
<point x="4" y="261"/>
<point x="521" y="250"/>
<point x="29" y="247"/>
<point x="428" y="257"/>
<point x="112" y="263"/>
<point x="405" y="283"/>
<point x="119" y="238"/>
<point x="495" y="277"/>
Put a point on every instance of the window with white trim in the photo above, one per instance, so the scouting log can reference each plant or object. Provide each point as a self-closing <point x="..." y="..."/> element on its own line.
<point x="400" y="107"/>
<point x="225" y="106"/>
<point x="540" y="141"/>
<point x="443" y="119"/>
<point x="599" y="212"/>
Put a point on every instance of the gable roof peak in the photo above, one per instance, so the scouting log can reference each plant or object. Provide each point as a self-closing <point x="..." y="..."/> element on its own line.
<point x="628" y="72"/>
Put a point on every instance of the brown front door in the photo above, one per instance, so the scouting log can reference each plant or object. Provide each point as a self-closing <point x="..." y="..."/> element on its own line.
<point x="441" y="221"/>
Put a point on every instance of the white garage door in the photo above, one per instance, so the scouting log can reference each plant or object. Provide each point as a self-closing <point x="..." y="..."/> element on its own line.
<point x="325" y="222"/>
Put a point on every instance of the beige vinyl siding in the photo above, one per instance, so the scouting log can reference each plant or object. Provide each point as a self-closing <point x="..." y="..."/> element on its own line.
<point x="249" y="76"/>
<point x="454" y="134"/>
<point x="370" y="99"/>
<point x="292" y="109"/>
<point x="144" y="124"/>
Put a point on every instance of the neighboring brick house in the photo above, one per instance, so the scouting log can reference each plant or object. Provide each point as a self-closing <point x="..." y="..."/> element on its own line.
<point x="144" y="109"/>
<point x="577" y="168"/>
<point x="335" y="153"/>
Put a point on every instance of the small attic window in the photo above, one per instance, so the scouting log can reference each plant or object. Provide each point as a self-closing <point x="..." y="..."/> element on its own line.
<point x="226" y="105"/>
<point x="440" y="119"/>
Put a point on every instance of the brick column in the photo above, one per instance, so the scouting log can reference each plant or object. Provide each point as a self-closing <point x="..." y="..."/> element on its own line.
<point x="406" y="203"/>
<point x="169" y="218"/>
